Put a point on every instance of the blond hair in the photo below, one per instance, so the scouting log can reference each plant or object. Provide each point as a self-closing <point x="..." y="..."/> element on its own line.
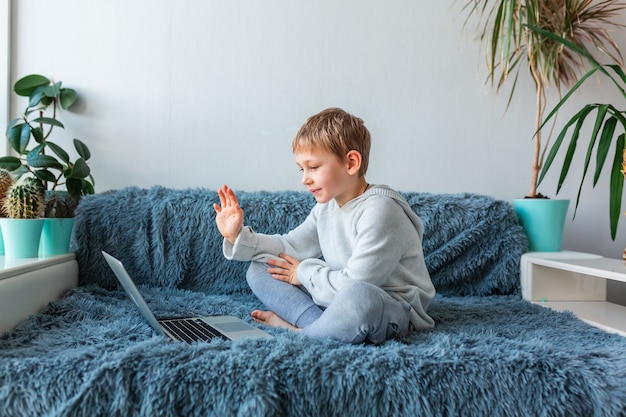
<point x="337" y="132"/>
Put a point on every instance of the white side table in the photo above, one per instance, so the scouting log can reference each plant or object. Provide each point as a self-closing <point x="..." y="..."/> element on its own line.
<point x="27" y="285"/>
<point x="576" y="282"/>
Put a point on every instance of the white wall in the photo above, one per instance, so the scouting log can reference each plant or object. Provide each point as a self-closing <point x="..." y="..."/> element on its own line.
<point x="205" y="92"/>
<point x="5" y="24"/>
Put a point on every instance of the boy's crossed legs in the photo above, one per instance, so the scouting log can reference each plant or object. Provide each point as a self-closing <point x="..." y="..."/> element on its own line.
<point x="360" y="311"/>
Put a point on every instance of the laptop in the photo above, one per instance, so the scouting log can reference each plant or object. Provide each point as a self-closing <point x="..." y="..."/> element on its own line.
<point x="188" y="329"/>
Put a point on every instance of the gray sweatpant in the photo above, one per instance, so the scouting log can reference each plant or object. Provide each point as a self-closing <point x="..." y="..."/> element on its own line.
<point x="359" y="312"/>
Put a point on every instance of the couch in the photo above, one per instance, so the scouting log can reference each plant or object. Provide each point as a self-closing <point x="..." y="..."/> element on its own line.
<point x="490" y="354"/>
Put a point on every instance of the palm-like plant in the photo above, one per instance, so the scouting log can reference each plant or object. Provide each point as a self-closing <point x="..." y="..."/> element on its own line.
<point x="508" y="29"/>
<point x="609" y="125"/>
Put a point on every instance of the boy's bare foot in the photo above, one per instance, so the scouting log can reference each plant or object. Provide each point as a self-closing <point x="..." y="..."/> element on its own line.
<point x="269" y="318"/>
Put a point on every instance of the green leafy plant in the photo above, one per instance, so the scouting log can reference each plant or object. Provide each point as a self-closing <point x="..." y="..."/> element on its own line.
<point x="25" y="199"/>
<point x="609" y="126"/>
<point x="46" y="160"/>
<point x="59" y="205"/>
<point x="511" y="43"/>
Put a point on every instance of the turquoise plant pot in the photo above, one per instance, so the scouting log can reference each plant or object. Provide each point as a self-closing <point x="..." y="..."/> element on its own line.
<point x="21" y="237"/>
<point x="544" y="221"/>
<point x="55" y="236"/>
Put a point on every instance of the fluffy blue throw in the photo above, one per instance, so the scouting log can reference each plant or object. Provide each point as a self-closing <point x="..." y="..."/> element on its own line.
<point x="490" y="354"/>
<point x="168" y="238"/>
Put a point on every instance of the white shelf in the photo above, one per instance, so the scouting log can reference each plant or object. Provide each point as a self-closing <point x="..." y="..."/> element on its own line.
<point x="27" y="285"/>
<point x="576" y="282"/>
<point x="10" y="267"/>
<point x="607" y="316"/>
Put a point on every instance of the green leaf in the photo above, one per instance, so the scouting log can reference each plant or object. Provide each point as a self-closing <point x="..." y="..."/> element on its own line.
<point x="42" y="161"/>
<point x="18" y="138"/>
<point x="30" y="111"/>
<point x="495" y="38"/>
<point x="616" y="186"/>
<point x="618" y="114"/>
<point x="38" y="134"/>
<point x="46" y="101"/>
<point x="571" y="149"/>
<point x="14" y="122"/>
<point x="67" y="98"/>
<point x="26" y="85"/>
<point x="38" y="149"/>
<point x="52" y="90"/>
<point x="74" y="187"/>
<point x="48" y="121"/>
<point x="45" y="175"/>
<point x="620" y="73"/>
<point x="559" y="140"/>
<point x="36" y="97"/>
<point x="80" y="169"/>
<point x="88" y="187"/>
<point x="82" y="149"/>
<point x="604" y="144"/>
<point x="10" y="163"/>
<point x="602" y="109"/>
<point x="60" y="152"/>
<point x="14" y="134"/>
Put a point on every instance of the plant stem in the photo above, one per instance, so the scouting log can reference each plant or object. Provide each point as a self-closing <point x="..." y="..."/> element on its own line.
<point x="540" y="104"/>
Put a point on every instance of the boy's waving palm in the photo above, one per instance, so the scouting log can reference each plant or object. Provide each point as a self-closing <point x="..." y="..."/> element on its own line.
<point x="229" y="217"/>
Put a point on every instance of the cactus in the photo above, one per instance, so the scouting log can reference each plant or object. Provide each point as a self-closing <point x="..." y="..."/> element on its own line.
<point x="25" y="199"/>
<point x="6" y="181"/>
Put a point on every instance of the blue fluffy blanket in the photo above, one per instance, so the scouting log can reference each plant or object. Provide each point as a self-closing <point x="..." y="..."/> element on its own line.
<point x="490" y="354"/>
<point x="168" y="238"/>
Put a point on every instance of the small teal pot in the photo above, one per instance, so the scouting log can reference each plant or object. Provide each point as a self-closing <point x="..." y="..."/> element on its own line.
<point x="21" y="237"/>
<point x="55" y="236"/>
<point x="544" y="221"/>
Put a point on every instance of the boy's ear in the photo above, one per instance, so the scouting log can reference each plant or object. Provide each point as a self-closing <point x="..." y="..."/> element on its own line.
<point x="353" y="162"/>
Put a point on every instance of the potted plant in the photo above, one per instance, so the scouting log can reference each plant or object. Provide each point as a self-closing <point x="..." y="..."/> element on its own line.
<point x="6" y="181"/>
<point x="512" y="43"/>
<point x="21" y="229"/>
<point x="45" y="160"/>
<point x="58" y="224"/>
<point x="609" y="126"/>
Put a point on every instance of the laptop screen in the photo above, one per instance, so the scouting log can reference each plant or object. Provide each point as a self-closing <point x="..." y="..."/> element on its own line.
<point x="132" y="291"/>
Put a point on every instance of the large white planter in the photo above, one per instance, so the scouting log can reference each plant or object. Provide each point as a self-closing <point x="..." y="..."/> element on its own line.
<point x="21" y="237"/>
<point x="543" y="220"/>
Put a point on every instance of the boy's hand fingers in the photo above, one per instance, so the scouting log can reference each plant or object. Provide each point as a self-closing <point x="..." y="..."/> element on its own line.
<point x="232" y="198"/>
<point x="290" y="259"/>
<point x="222" y="196"/>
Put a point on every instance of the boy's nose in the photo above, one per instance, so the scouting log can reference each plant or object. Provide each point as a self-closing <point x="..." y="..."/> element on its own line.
<point x="305" y="179"/>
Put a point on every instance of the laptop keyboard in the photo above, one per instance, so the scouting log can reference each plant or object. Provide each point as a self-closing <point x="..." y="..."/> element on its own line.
<point x="191" y="330"/>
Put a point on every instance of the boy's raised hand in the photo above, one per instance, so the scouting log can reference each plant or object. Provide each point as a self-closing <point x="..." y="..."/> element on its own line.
<point x="229" y="217"/>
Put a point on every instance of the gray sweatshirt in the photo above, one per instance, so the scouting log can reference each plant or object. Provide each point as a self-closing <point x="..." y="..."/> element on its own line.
<point x="375" y="237"/>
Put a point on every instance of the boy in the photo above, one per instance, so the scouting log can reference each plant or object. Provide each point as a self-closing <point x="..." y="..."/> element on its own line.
<point x="372" y="284"/>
